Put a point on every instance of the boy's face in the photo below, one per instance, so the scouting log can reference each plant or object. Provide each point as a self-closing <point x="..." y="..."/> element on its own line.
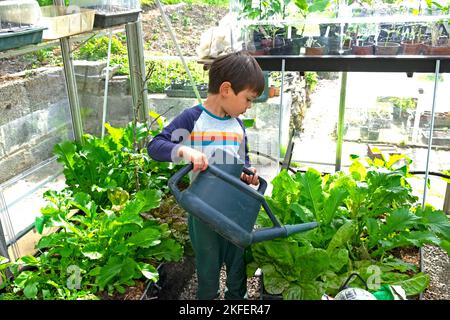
<point x="237" y="104"/>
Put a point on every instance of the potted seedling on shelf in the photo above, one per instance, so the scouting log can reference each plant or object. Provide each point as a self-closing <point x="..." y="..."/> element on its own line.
<point x="313" y="47"/>
<point x="438" y="44"/>
<point x="386" y="45"/>
<point x="412" y="39"/>
<point x="305" y="8"/>
<point x="362" y="40"/>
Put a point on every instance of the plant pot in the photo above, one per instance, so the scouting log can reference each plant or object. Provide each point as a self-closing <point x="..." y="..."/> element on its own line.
<point x="387" y="48"/>
<point x="363" y="50"/>
<point x="271" y="91"/>
<point x="411" y="48"/>
<point x="114" y="16"/>
<point x="436" y="50"/>
<point x="313" y="51"/>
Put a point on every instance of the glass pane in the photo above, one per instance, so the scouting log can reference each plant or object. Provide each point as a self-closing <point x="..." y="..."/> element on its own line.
<point x="23" y="195"/>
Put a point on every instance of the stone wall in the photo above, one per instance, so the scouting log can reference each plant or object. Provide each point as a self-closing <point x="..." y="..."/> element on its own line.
<point x="34" y="115"/>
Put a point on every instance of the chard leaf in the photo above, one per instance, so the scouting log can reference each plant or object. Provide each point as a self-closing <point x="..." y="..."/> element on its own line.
<point x="342" y="236"/>
<point x="149" y="198"/>
<point x="285" y="189"/>
<point x="274" y="283"/>
<point x="167" y="250"/>
<point x="149" y="271"/>
<point x="305" y="291"/>
<point x="109" y="271"/>
<point x="399" y="220"/>
<point x="400" y="265"/>
<point x="66" y="153"/>
<point x="294" y="292"/>
<point x="116" y="134"/>
<point x="83" y="202"/>
<point x="436" y="220"/>
<point x="302" y="212"/>
<point x="29" y="260"/>
<point x="145" y="238"/>
<point x="373" y="230"/>
<point x="311" y="192"/>
<point x="414" y="285"/>
<point x="358" y="171"/>
<point x="30" y="291"/>
<point x="332" y="203"/>
<point x="312" y="262"/>
<point x="338" y="259"/>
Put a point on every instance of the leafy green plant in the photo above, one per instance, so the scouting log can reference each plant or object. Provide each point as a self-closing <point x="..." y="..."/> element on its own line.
<point x="97" y="248"/>
<point x="43" y="3"/>
<point x="166" y="72"/>
<point x="97" y="48"/>
<point x="99" y="165"/>
<point x="362" y="215"/>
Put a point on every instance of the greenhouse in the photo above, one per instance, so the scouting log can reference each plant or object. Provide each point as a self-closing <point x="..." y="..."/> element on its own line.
<point x="313" y="162"/>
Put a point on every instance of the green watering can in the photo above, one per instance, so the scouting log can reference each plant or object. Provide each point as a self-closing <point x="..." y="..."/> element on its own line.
<point x="220" y="199"/>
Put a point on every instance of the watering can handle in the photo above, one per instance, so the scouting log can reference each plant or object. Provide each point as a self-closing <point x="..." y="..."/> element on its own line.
<point x="262" y="183"/>
<point x="173" y="181"/>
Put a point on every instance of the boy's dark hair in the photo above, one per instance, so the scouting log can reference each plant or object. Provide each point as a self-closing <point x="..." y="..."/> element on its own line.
<point x="238" y="68"/>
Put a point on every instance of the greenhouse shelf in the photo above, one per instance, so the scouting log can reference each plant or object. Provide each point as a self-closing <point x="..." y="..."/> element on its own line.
<point x="408" y="64"/>
<point x="17" y="39"/>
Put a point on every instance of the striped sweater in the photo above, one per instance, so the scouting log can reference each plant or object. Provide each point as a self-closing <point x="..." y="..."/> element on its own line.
<point x="199" y="129"/>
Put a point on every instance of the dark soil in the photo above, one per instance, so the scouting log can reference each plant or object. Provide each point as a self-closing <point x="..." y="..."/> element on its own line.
<point x="173" y="277"/>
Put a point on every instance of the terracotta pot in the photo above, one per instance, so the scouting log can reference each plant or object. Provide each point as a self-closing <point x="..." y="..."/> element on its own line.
<point x="271" y="91"/>
<point x="387" y="48"/>
<point x="309" y="51"/>
<point x="412" y="48"/>
<point x="436" y="50"/>
<point x="363" y="50"/>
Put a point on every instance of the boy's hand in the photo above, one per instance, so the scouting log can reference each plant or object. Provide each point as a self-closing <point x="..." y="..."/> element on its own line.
<point x="250" y="179"/>
<point x="198" y="159"/>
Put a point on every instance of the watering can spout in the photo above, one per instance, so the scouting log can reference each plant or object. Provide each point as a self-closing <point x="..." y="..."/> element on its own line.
<point x="228" y="206"/>
<point x="281" y="232"/>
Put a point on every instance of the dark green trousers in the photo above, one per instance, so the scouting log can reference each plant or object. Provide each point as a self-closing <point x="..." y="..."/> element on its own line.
<point x="211" y="251"/>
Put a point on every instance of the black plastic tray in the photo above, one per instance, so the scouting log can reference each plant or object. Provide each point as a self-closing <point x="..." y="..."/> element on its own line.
<point x="17" y="39"/>
<point x="106" y="20"/>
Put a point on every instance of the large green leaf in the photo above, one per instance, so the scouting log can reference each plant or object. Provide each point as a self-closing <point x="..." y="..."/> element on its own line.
<point x="399" y="220"/>
<point x="149" y="198"/>
<point x="145" y="238"/>
<point x="274" y="283"/>
<point x="168" y="250"/>
<point x="312" y="262"/>
<point x="285" y="189"/>
<point x="311" y="192"/>
<point x="116" y="134"/>
<point x="414" y="285"/>
<point x="342" y="236"/>
<point x="436" y="220"/>
<point x="332" y="203"/>
<point x="149" y="271"/>
<point x="66" y="152"/>
<point x="109" y="271"/>
<point x="31" y="289"/>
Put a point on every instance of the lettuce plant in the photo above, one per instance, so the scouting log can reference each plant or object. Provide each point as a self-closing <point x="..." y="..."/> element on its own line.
<point x="363" y="215"/>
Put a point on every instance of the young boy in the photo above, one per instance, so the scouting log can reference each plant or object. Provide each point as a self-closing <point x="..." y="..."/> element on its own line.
<point x="235" y="80"/>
